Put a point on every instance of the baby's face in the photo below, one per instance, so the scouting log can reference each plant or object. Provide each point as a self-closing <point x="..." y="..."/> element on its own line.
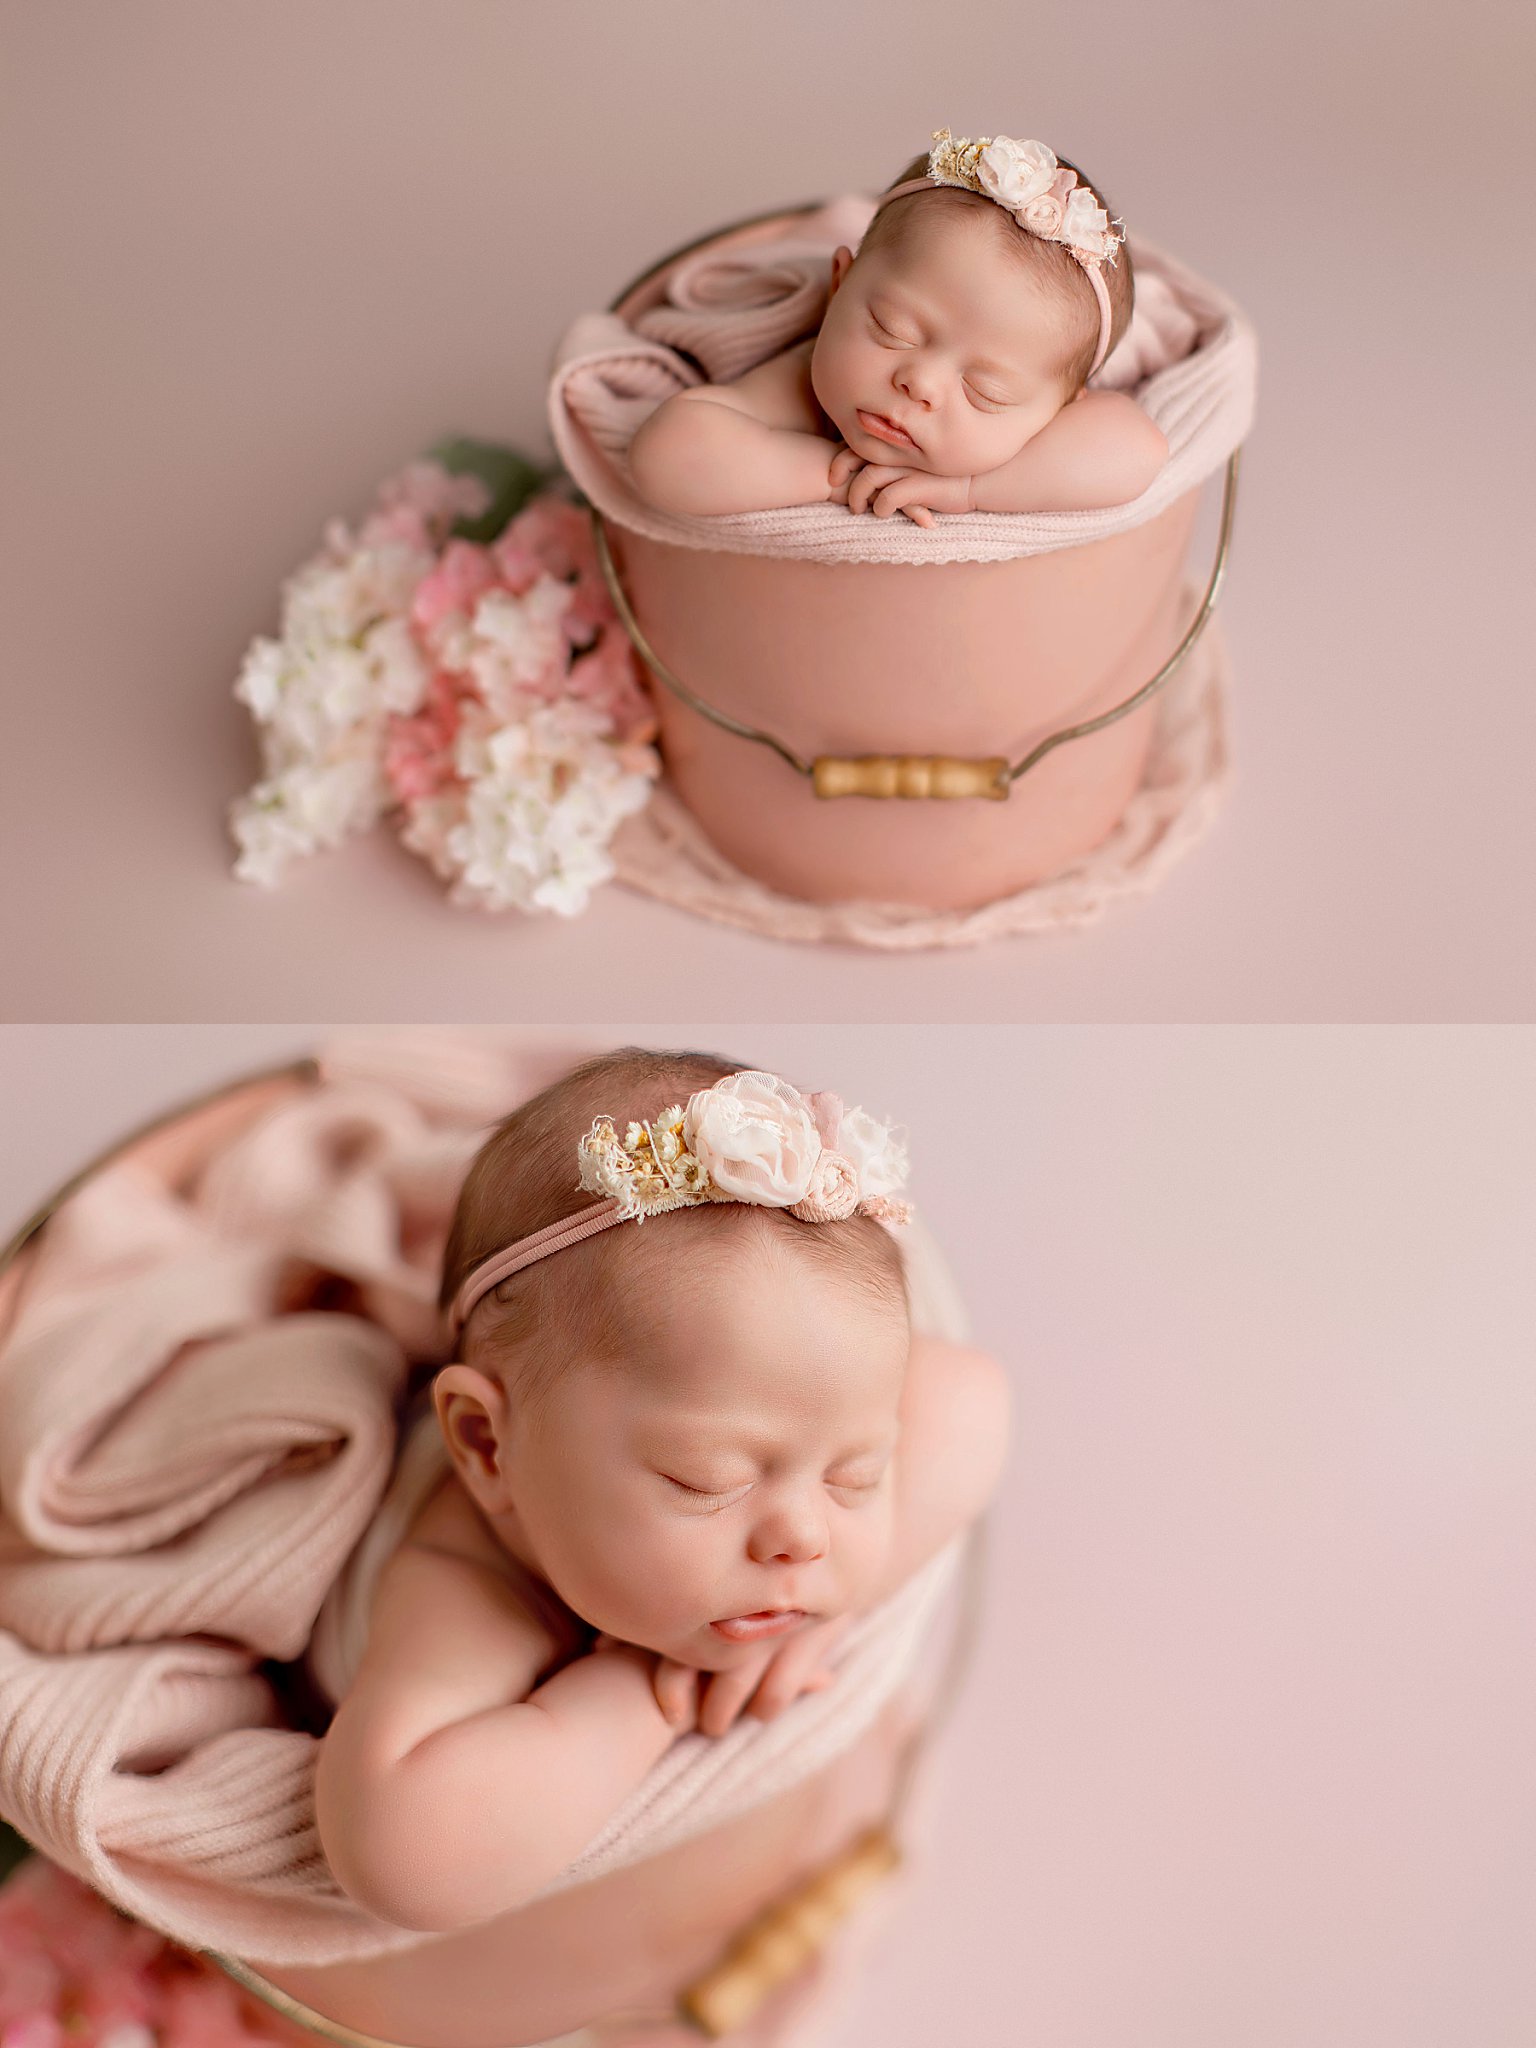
<point x="738" y="1464"/>
<point x="938" y="352"/>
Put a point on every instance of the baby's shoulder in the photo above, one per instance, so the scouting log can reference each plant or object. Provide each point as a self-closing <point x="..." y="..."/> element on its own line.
<point x="455" y="1625"/>
<point x="956" y="1399"/>
<point x="954" y="1435"/>
<point x="777" y="392"/>
<point x="1129" y="445"/>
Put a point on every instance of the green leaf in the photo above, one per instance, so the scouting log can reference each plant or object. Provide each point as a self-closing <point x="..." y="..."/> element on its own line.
<point x="510" y="478"/>
<point x="14" y="1849"/>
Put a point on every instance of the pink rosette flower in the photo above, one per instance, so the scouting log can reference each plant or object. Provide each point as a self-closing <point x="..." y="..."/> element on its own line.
<point x="833" y="1192"/>
<point x="1043" y="216"/>
<point x="756" y="1138"/>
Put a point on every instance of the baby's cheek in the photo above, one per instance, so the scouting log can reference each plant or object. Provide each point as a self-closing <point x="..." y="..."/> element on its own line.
<point x="866" y="1545"/>
<point x="660" y="1572"/>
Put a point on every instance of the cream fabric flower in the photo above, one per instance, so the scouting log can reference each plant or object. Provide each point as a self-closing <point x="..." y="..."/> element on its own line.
<point x="1085" y="224"/>
<point x="756" y="1137"/>
<point x="876" y="1151"/>
<point x="1013" y="172"/>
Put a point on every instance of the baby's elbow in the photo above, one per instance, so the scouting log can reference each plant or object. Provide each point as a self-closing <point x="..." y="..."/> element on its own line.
<point x="397" y="1882"/>
<point x="387" y="1873"/>
<point x="673" y="458"/>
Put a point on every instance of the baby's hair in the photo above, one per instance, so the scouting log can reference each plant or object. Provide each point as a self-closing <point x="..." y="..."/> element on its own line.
<point x="1050" y="262"/>
<point x="524" y="1178"/>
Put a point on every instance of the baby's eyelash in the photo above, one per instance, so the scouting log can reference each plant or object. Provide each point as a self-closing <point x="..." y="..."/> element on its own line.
<point x="855" y="1485"/>
<point x="703" y="1492"/>
<point x="900" y="341"/>
<point x="981" y="398"/>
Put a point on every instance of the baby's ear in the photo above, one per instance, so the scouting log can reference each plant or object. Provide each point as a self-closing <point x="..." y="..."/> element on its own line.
<point x="472" y="1414"/>
<point x="842" y="259"/>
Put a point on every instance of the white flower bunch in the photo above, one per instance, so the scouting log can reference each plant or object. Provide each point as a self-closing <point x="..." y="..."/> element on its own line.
<point x="538" y="800"/>
<point x="344" y="662"/>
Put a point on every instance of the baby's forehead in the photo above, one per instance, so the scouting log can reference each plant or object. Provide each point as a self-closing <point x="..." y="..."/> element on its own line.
<point x="952" y="272"/>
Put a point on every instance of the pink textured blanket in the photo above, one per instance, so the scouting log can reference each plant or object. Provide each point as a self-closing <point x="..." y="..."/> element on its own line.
<point x="1189" y="356"/>
<point x="204" y="1359"/>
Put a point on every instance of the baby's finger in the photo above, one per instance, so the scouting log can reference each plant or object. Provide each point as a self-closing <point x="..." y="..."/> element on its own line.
<point x="918" y="514"/>
<point x="677" y="1693"/>
<point x="871" y="478"/>
<point x="728" y="1693"/>
<point x="893" y="496"/>
<point x="842" y="466"/>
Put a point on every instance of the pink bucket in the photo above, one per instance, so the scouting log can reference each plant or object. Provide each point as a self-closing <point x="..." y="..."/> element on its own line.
<point x="975" y="661"/>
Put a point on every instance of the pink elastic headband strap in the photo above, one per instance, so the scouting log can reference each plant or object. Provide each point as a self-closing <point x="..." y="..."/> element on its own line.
<point x="512" y="1259"/>
<point x="1092" y="271"/>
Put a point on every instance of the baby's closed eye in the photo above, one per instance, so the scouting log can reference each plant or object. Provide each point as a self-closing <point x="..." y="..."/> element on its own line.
<point x="888" y="335"/>
<point x="713" y="1494"/>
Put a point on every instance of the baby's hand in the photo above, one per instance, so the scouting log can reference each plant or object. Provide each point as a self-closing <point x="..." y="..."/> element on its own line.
<point x="763" y="1686"/>
<point x="882" y="489"/>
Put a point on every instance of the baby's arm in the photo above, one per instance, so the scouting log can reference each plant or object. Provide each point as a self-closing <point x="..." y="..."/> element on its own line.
<point x="1100" y="450"/>
<point x="954" y="1437"/>
<point x="739" y="447"/>
<point x="450" y="1786"/>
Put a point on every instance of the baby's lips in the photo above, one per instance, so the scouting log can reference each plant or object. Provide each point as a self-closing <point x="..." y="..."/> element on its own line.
<point x="752" y="1628"/>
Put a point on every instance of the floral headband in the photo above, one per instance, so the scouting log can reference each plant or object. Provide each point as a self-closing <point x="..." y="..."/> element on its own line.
<point x="749" y="1138"/>
<point x="1046" y="200"/>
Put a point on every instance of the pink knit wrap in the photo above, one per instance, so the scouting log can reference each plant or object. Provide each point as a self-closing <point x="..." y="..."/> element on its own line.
<point x="200" y="1473"/>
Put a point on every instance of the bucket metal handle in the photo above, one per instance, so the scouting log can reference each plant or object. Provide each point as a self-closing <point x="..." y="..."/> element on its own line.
<point x="922" y="775"/>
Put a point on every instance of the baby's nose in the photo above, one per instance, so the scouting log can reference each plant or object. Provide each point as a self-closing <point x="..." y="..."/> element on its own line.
<point x="915" y="380"/>
<point x="792" y="1534"/>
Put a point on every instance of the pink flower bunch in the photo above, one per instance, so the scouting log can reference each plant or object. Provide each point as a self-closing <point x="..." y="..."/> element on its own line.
<point x="559" y="638"/>
<point x="76" y="1973"/>
<point x="510" y="631"/>
<point x="487" y="695"/>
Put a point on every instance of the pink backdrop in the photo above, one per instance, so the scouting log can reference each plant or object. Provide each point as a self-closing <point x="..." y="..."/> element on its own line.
<point x="1247" y="1754"/>
<point x="259" y="253"/>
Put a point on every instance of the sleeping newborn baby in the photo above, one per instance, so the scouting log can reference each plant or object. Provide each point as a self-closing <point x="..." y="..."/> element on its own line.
<point x="950" y="370"/>
<point x="685" y="1449"/>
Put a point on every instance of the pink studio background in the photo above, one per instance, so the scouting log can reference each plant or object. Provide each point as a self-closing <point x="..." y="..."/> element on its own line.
<point x="1246" y="1757"/>
<point x="261" y="253"/>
